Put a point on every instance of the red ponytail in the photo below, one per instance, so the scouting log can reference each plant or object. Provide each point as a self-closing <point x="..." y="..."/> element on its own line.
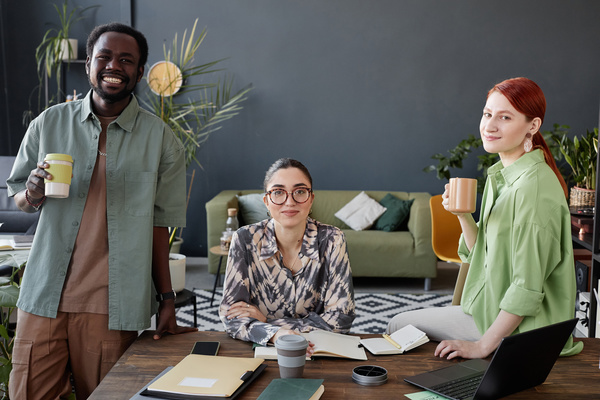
<point x="539" y="143"/>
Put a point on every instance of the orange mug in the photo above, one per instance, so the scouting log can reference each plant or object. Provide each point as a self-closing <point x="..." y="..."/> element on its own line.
<point x="463" y="195"/>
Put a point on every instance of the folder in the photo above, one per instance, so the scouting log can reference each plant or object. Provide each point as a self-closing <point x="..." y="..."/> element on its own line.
<point x="206" y="377"/>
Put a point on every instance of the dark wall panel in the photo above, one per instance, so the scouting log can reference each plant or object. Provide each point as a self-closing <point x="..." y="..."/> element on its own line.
<point x="363" y="92"/>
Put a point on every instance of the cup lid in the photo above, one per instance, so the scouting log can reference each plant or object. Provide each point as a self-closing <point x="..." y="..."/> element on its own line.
<point x="291" y="342"/>
<point x="58" y="157"/>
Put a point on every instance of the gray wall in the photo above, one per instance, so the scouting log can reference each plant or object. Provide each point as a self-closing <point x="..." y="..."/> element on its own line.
<point x="363" y="92"/>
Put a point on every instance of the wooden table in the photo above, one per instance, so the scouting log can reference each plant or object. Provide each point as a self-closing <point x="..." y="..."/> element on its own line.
<point x="575" y="377"/>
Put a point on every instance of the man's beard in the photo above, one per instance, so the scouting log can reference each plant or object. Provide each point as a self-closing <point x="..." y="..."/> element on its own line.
<point x="111" y="97"/>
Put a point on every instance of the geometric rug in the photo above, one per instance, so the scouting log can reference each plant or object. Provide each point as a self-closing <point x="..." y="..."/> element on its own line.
<point x="373" y="310"/>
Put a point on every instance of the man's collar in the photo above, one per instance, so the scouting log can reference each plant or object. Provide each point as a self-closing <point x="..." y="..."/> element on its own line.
<point x="126" y="119"/>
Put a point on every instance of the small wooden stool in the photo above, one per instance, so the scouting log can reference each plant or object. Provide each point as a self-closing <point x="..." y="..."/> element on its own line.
<point x="216" y="250"/>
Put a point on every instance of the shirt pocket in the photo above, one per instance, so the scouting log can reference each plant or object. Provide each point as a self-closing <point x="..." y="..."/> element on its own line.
<point x="140" y="188"/>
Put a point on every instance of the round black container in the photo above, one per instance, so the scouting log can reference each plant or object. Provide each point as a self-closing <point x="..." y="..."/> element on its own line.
<point x="369" y="375"/>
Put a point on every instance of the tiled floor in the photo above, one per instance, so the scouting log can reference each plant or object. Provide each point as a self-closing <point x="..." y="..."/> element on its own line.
<point x="197" y="276"/>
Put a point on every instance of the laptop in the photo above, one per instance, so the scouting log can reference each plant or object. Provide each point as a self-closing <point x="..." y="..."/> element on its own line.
<point x="522" y="361"/>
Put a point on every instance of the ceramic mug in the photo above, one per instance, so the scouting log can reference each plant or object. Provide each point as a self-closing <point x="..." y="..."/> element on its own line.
<point x="463" y="195"/>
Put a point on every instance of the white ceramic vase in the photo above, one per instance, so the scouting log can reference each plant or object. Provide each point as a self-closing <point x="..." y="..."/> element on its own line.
<point x="177" y="269"/>
<point x="67" y="53"/>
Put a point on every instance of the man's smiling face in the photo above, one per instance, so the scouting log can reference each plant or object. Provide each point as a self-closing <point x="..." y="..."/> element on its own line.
<point x="113" y="69"/>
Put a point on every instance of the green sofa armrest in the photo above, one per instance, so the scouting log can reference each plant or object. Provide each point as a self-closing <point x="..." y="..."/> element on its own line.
<point x="419" y="223"/>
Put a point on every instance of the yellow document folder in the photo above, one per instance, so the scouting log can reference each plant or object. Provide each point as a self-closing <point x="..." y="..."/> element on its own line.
<point x="205" y="376"/>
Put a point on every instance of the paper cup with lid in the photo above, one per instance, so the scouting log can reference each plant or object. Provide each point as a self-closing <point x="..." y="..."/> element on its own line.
<point x="61" y="169"/>
<point x="291" y="355"/>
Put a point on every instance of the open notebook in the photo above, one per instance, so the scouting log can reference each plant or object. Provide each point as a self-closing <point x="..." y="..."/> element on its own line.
<point x="327" y="344"/>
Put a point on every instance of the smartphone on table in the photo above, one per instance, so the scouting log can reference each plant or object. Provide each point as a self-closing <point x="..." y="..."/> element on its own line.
<point x="206" y="348"/>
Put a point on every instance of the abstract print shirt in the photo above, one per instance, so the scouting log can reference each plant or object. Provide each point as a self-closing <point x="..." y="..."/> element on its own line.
<point x="319" y="295"/>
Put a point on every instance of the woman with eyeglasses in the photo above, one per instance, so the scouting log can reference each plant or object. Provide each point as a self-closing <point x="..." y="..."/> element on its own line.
<point x="289" y="273"/>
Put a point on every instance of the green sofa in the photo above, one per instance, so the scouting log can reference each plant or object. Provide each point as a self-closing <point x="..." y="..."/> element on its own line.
<point x="372" y="253"/>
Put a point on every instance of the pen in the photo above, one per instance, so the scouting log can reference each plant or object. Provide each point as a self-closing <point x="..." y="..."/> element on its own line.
<point x="389" y="339"/>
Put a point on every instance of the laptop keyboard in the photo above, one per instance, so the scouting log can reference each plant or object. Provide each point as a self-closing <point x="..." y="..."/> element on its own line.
<point x="460" y="388"/>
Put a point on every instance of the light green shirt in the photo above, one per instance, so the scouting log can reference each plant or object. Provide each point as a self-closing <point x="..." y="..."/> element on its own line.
<point x="522" y="260"/>
<point x="145" y="184"/>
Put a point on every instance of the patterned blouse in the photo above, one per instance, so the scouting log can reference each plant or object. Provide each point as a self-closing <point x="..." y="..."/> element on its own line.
<point x="319" y="296"/>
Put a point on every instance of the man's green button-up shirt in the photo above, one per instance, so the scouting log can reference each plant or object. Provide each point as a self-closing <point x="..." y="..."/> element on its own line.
<point x="145" y="184"/>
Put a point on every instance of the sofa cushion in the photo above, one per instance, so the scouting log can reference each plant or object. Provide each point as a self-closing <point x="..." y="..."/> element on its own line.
<point x="395" y="216"/>
<point x="252" y="208"/>
<point x="361" y="212"/>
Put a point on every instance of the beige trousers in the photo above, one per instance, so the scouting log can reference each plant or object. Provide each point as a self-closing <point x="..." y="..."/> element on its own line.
<point x="48" y="350"/>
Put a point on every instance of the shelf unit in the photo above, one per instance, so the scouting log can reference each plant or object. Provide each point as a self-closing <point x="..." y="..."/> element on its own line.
<point x="65" y="67"/>
<point x="591" y="242"/>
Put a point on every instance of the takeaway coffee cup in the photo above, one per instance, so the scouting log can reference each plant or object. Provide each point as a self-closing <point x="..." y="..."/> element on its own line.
<point x="291" y="355"/>
<point x="463" y="195"/>
<point x="61" y="169"/>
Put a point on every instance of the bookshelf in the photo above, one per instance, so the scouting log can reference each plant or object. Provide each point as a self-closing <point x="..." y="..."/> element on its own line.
<point x="78" y="70"/>
<point x="591" y="242"/>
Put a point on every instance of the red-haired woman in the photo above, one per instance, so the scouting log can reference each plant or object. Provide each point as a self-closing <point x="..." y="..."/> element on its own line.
<point x="521" y="274"/>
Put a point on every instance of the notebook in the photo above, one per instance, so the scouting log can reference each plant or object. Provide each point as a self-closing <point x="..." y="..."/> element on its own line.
<point x="522" y="361"/>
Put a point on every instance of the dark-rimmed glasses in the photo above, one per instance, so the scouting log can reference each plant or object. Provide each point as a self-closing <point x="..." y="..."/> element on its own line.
<point x="280" y="196"/>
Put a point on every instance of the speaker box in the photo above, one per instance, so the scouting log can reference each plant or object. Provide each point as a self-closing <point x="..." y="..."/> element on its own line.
<point x="582" y="276"/>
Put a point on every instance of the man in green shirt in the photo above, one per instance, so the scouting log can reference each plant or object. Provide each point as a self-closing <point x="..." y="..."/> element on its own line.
<point x="100" y="256"/>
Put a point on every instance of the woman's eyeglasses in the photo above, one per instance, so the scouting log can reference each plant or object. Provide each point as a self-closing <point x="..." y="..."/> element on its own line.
<point x="280" y="196"/>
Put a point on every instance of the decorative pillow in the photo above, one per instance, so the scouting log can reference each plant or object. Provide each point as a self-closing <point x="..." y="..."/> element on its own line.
<point x="395" y="216"/>
<point x="252" y="208"/>
<point x="361" y="212"/>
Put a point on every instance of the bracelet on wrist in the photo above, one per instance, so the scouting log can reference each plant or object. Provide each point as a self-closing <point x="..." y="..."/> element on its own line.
<point x="37" y="205"/>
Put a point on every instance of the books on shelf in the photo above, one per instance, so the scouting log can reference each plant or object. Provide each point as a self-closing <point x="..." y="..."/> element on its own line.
<point x="327" y="344"/>
<point x="398" y="342"/>
<point x="18" y="242"/>
<point x="293" y="389"/>
<point x="206" y="377"/>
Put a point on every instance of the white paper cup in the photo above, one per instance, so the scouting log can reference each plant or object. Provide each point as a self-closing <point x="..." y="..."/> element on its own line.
<point x="61" y="169"/>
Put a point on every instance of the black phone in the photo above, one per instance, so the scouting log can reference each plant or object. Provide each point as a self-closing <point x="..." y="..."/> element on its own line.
<point x="206" y="348"/>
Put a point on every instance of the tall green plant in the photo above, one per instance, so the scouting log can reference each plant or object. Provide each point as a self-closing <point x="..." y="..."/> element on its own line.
<point x="208" y="105"/>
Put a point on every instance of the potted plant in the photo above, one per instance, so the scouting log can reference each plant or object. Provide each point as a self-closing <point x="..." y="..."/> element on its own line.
<point x="457" y="155"/>
<point x="56" y="46"/>
<point x="193" y="120"/>
<point x="580" y="153"/>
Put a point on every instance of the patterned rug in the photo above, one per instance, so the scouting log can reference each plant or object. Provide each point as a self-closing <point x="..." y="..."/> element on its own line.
<point x="373" y="310"/>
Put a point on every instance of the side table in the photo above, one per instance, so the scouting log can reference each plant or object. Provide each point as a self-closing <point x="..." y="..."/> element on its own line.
<point x="216" y="250"/>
